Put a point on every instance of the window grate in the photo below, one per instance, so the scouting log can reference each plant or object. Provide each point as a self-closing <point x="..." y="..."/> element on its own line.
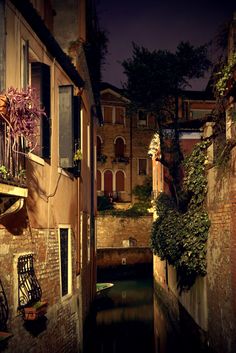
<point x="28" y="286"/>
<point x="4" y="311"/>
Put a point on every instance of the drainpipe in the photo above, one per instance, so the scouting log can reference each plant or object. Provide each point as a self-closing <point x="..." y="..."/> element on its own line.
<point x="131" y="156"/>
<point x="2" y="46"/>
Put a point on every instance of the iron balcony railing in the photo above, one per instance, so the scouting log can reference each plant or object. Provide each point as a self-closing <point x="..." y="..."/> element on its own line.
<point x="12" y="157"/>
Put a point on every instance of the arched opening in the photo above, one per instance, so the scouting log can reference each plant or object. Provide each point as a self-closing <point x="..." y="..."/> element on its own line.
<point x="107" y="182"/>
<point x="99" y="180"/>
<point x="119" y="147"/>
<point x="120" y="181"/>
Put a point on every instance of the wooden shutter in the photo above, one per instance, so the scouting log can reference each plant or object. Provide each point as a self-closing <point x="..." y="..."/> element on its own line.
<point x="66" y="138"/>
<point x="107" y="182"/>
<point x="40" y="79"/>
<point x="119" y="147"/>
<point x="120" y="181"/>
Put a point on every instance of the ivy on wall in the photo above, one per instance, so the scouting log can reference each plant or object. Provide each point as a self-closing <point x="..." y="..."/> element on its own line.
<point x="180" y="235"/>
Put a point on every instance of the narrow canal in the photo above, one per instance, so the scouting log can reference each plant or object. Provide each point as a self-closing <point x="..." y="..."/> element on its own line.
<point x="130" y="318"/>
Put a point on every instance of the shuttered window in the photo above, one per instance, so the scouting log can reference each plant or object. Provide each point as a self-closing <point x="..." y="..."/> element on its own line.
<point x="99" y="180"/>
<point x="142" y="166"/>
<point x="120" y="181"/>
<point x="119" y="147"/>
<point x="108" y="182"/>
<point x="40" y="79"/>
<point x="66" y="126"/>
<point x="120" y="115"/>
<point x="108" y="114"/>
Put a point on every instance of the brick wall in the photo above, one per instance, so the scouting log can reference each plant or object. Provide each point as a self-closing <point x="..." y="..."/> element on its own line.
<point x="109" y="257"/>
<point x="221" y="262"/>
<point x="112" y="231"/>
<point x="60" y="331"/>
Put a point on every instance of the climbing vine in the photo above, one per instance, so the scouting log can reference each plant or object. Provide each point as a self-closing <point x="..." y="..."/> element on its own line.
<point x="224" y="79"/>
<point x="180" y="237"/>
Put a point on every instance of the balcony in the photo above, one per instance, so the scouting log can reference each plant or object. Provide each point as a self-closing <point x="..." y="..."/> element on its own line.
<point x="102" y="158"/>
<point x="13" y="188"/>
<point x="121" y="159"/>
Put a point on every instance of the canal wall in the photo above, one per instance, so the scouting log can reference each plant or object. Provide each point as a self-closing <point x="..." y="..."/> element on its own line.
<point x="124" y="262"/>
<point x="116" y="232"/>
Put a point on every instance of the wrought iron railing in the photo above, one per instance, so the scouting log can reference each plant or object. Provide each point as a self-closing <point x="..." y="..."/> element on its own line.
<point x="12" y="157"/>
<point x="29" y="290"/>
<point x="4" y="311"/>
<point x="121" y="159"/>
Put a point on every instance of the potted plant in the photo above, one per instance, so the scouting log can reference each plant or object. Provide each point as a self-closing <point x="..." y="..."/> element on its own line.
<point x="35" y="311"/>
<point x="21" y="111"/>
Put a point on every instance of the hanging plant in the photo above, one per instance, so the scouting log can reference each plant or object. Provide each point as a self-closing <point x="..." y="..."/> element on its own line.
<point x="21" y="111"/>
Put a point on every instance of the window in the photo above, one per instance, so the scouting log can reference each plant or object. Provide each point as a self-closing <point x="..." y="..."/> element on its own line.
<point x="66" y="147"/>
<point x="119" y="147"/>
<point x="142" y="166"/>
<point x="108" y="176"/>
<point x="40" y="79"/>
<point x="119" y="114"/>
<point x="120" y="181"/>
<point x="65" y="260"/>
<point x="142" y="118"/>
<point x="108" y="114"/>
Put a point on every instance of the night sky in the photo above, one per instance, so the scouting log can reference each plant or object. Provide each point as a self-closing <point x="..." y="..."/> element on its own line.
<point x="157" y="24"/>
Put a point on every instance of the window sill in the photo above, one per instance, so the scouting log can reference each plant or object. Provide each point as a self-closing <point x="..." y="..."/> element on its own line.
<point x="36" y="159"/>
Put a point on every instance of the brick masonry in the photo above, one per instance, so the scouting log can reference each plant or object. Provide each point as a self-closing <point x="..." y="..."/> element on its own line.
<point x="113" y="231"/>
<point x="61" y="328"/>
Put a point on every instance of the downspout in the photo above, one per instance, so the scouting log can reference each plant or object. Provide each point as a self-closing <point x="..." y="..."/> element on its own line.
<point x="92" y="195"/>
<point x="2" y="46"/>
<point x="131" y="156"/>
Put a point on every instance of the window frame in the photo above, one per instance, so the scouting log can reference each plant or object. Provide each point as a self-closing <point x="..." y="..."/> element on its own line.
<point x="69" y="268"/>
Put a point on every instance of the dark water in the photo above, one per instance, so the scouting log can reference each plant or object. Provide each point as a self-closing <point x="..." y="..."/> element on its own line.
<point x="131" y="319"/>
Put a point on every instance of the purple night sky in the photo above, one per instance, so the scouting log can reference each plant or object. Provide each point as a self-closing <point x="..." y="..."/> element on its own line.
<point x="157" y="24"/>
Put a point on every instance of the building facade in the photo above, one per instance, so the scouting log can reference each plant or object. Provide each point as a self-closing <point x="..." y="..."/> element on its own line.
<point x="47" y="192"/>
<point x="122" y="146"/>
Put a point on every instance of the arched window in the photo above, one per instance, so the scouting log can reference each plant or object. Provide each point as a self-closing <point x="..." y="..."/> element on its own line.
<point x="120" y="181"/>
<point x="108" y="182"/>
<point x="99" y="180"/>
<point x="119" y="147"/>
<point x="99" y="146"/>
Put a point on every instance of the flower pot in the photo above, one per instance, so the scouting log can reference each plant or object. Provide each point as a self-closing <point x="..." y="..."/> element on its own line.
<point x="36" y="311"/>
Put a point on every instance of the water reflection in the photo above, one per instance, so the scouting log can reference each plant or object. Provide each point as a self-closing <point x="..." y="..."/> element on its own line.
<point x="124" y="319"/>
<point x="131" y="319"/>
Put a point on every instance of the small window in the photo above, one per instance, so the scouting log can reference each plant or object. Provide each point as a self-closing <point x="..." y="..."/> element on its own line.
<point x="65" y="260"/>
<point x="120" y="114"/>
<point x="108" y="114"/>
<point x="142" y="166"/>
<point x="142" y="118"/>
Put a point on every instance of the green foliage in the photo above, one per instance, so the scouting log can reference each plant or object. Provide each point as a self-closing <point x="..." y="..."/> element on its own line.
<point x="3" y="171"/>
<point x="181" y="237"/>
<point x="138" y="209"/>
<point x="224" y="76"/>
<point x="103" y="203"/>
<point x="143" y="192"/>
